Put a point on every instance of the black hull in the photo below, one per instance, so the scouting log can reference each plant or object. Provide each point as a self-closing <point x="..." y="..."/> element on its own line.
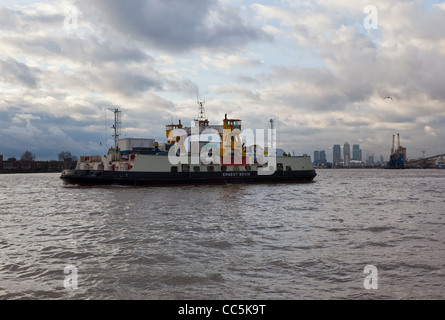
<point x="85" y="177"/>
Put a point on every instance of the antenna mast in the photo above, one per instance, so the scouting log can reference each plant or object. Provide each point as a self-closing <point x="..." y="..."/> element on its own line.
<point x="117" y="126"/>
<point x="202" y="114"/>
<point x="273" y="133"/>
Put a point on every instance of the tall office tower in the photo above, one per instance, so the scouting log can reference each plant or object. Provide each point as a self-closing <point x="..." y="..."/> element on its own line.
<point x="337" y="154"/>
<point x="356" y="152"/>
<point x="346" y="154"/>
<point x="323" y="157"/>
<point x="316" y="158"/>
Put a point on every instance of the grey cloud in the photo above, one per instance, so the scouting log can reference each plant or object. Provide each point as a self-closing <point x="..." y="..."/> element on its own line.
<point x="246" y="79"/>
<point x="129" y="83"/>
<point x="99" y="51"/>
<point x="18" y="20"/>
<point x="90" y="50"/>
<point x="240" y="92"/>
<point x="309" y="88"/>
<point x="174" y="25"/>
<point x="182" y="85"/>
<point x="15" y="72"/>
<point x="38" y="34"/>
<point x="9" y="20"/>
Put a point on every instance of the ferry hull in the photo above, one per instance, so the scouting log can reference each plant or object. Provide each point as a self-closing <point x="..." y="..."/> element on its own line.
<point x="91" y="177"/>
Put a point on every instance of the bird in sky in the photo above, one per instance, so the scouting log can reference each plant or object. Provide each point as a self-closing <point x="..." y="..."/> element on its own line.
<point x="386" y="98"/>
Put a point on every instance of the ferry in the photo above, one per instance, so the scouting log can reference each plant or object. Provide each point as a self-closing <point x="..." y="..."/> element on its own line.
<point x="199" y="154"/>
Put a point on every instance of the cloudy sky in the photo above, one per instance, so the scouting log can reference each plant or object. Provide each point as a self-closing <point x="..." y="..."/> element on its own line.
<point x="321" y="68"/>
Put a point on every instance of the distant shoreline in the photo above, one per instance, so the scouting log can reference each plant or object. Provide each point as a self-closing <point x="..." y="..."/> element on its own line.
<point x="27" y="171"/>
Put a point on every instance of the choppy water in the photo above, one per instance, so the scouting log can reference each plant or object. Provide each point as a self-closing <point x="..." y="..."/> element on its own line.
<point x="297" y="241"/>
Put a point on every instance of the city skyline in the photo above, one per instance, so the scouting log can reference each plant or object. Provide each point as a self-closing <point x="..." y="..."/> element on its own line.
<point x="338" y="155"/>
<point x="324" y="71"/>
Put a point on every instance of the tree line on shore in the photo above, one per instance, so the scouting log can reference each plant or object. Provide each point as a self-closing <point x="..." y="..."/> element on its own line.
<point x="29" y="156"/>
<point x="27" y="163"/>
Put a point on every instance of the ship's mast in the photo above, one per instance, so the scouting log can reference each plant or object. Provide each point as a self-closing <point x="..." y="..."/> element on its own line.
<point x="202" y="112"/>
<point x="117" y="126"/>
<point x="273" y="132"/>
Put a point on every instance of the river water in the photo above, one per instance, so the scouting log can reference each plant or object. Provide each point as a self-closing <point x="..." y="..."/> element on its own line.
<point x="265" y="242"/>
